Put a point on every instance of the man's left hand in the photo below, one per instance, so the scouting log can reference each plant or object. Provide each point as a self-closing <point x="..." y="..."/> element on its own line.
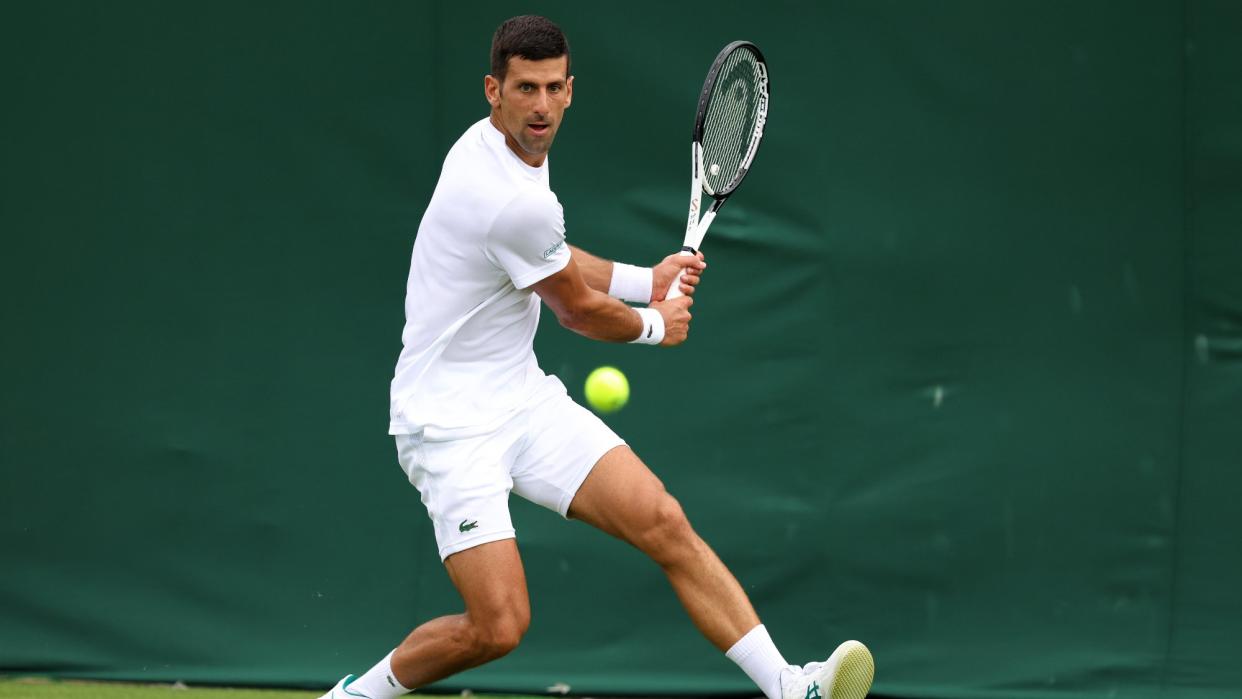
<point x="688" y="267"/>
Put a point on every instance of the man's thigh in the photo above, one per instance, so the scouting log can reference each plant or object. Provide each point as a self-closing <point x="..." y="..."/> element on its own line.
<point x="564" y="442"/>
<point x="491" y="580"/>
<point x="621" y="496"/>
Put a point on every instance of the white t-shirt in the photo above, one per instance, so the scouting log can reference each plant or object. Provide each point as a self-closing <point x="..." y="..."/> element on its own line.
<point x="492" y="229"/>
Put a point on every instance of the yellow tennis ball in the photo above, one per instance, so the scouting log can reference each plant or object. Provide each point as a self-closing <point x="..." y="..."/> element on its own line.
<point x="607" y="390"/>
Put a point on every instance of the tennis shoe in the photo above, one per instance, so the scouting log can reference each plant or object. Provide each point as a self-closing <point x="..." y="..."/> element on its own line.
<point x="846" y="674"/>
<point x="342" y="690"/>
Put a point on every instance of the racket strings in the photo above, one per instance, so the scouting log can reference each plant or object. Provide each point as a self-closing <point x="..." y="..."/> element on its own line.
<point x="725" y="128"/>
<point x="730" y="123"/>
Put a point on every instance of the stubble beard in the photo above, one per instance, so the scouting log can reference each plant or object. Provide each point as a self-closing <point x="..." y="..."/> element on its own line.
<point x="535" y="146"/>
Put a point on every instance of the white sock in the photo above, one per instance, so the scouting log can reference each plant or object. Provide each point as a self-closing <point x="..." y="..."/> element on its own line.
<point x="379" y="682"/>
<point x="760" y="660"/>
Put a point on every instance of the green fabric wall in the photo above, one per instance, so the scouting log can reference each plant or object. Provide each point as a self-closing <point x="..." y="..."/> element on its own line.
<point x="965" y="379"/>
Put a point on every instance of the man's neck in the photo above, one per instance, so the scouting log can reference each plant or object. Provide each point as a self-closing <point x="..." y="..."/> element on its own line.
<point x="531" y="160"/>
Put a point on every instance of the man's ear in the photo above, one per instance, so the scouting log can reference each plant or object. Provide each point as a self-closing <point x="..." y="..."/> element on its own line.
<point x="569" y="91"/>
<point x="491" y="90"/>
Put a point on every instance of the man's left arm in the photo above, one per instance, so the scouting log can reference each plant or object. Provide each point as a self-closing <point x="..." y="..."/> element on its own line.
<point x="638" y="284"/>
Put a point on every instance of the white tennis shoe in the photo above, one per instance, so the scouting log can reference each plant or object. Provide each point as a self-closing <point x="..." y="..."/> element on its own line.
<point x="342" y="690"/>
<point x="846" y="674"/>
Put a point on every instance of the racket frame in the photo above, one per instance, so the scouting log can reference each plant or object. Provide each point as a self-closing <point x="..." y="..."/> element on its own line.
<point x="696" y="227"/>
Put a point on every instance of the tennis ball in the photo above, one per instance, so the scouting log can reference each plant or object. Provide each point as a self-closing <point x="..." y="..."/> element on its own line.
<point x="715" y="169"/>
<point x="607" y="390"/>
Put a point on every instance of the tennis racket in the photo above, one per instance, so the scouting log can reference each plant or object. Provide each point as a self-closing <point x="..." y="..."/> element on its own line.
<point x="733" y="109"/>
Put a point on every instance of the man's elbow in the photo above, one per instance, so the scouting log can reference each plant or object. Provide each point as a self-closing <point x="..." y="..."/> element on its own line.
<point x="576" y="321"/>
<point x="578" y="316"/>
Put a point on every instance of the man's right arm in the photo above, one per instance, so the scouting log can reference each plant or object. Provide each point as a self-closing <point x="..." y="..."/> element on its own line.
<point x="597" y="315"/>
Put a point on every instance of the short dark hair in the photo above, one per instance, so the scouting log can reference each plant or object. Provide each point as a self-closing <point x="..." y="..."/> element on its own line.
<point x="527" y="36"/>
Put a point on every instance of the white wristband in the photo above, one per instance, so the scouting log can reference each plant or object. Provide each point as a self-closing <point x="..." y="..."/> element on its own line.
<point x="653" y="327"/>
<point x="630" y="283"/>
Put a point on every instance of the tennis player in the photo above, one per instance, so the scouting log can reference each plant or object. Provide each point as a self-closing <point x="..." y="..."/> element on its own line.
<point x="474" y="417"/>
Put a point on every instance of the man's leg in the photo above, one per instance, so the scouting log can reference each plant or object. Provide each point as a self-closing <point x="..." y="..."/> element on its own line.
<point x="649" y="518"/>
<point x="492" y="584"/>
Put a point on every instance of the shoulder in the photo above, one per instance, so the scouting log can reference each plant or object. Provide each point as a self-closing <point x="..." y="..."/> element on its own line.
<point x="530" y="208"/>
<point x="534" y="199"/>
<point x="469" y="147"/>
<point x="472" y="184"/>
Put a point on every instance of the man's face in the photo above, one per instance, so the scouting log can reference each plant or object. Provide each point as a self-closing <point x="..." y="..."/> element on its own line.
<point x="529" y="106"/>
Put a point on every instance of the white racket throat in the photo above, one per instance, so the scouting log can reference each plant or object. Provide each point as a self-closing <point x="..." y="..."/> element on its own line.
<point x="696" y="228"/>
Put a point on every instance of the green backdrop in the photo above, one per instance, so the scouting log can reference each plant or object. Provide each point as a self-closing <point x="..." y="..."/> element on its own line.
<point x="965" y="380"/>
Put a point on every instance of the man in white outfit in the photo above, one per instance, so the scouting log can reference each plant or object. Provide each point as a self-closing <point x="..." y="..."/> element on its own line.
<point x="474" y="416"/>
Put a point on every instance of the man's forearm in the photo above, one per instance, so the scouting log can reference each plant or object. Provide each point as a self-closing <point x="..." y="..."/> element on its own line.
<point x="596" y="271"/>
<point x="603" y="318"/>
<point x="594" y="313"/>
<point x="625" y="282"/>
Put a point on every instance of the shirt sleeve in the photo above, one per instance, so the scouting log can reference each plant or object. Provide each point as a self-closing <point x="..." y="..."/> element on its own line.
<point x="527" y="239"/>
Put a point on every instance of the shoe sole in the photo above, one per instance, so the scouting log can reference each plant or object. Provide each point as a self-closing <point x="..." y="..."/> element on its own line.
<point x="854" y="673"/>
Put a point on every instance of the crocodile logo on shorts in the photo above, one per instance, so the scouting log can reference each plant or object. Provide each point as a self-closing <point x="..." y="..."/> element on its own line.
<point x="466" y="526"/>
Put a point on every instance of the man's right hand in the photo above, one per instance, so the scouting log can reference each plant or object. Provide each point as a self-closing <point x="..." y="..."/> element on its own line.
<point x="676" y="314"/>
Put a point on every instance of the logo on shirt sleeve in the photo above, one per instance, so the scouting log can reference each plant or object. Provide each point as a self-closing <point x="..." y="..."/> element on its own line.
<point x="552" y="250"/>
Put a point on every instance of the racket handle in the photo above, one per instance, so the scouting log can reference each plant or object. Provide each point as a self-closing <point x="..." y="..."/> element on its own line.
<point x="674" y="289"/>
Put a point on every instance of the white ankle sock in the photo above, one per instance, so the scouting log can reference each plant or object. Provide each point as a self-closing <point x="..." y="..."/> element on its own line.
<point x="760" y="660"/>
<point x="379" y="682"/>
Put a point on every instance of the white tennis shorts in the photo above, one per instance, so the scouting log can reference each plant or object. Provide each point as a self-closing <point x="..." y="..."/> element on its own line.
<point x="543" y="453"/>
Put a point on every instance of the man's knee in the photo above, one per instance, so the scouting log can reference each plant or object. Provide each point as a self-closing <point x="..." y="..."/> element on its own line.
<point x="499" y="634"/>
<point x="667" y="535"/>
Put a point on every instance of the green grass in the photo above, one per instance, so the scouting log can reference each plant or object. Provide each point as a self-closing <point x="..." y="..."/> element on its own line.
<point x="72" y="689"/>
<point x="38" y="688"/>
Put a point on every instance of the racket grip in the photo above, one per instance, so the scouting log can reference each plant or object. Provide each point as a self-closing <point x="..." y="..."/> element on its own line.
<point x="674" y="289"/>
